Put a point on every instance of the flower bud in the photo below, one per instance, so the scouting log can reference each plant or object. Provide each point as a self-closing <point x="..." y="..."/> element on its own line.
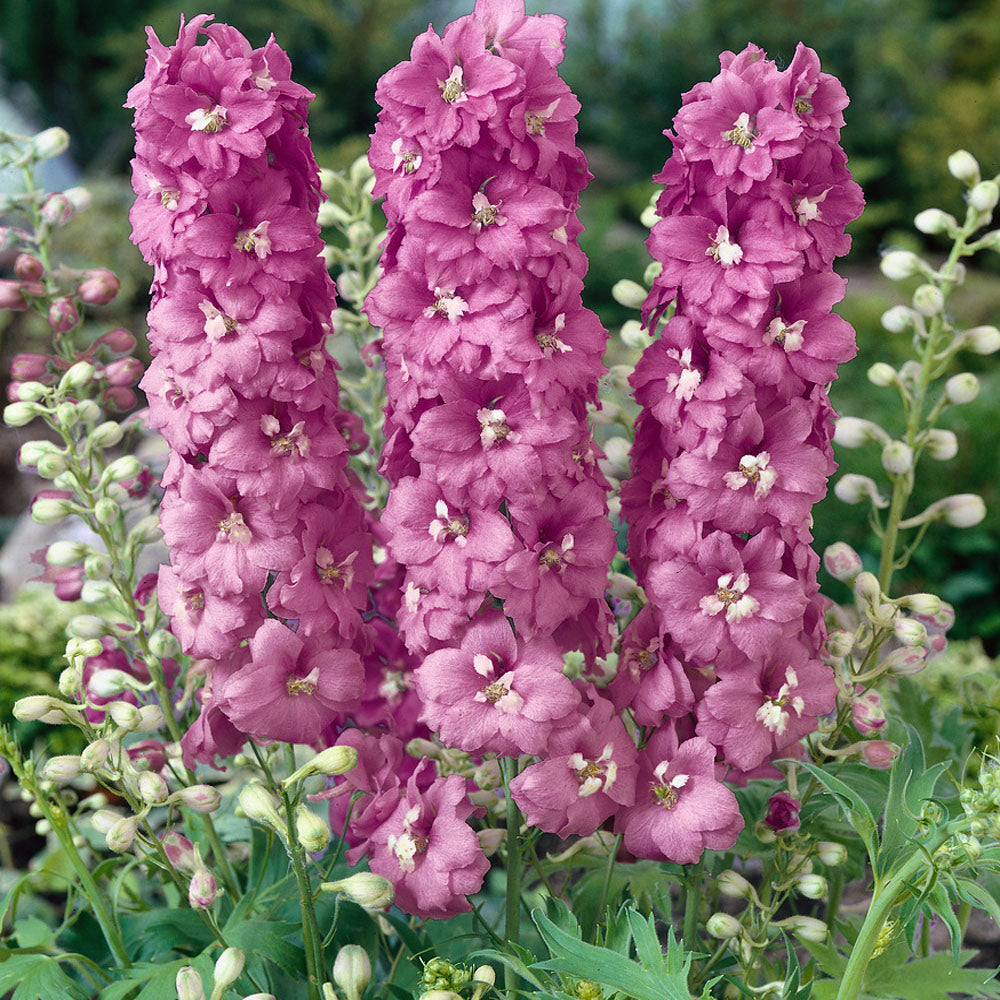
<point x="897" y="458"/>
<point x="28" y="268"/>
<point x="331" y="761"/>
<point x="97" y="566"/>
<point x="867" y="587"/>
<point x="372" y="892"/>
<point x="188" y="984"/>
<point x="123" y="714"/>
<point x="352" y="970"/>
<point x="634" y="336"/>
<point x="928" y="300"/>
<point x="259" y="806"/>
<point x="984" y="196"/>
<point x="899" y="264"/>
<point x="981" y="339"/>
<point x="120" y="836"/>
<point x="898" y="319"/>
<point x="228" y="968"/>
<point x="20" y="414"/>
<point x="962" y="166"/>
<point x="831" y="853"/>
<point x="734" y="885"/>
<point x="79" y="197"/>
<point x="904" y="662"/>
<point x="811" y="886"/>
<point x="867" y="713"/>
<point x="124" y="372"/>
<point x="164" y="644"/>
<point x="925" y="605"/>
<point x="98" y="287"/>
<point x="202" y="798"/>
<point x="807" y="928"/>
<point x="146" y="531"/>
<point x="50" y="143"/>
<point x="12" y="297"/>
<point x="963" y="510"/>
<point x="839" y="643"/>
<point x="879" y="753"/>
<point x="841" y="561"/>
<point x="153" y="789"/>
<point x="312" y="832"/>
<point x="852" y="488"/>
<point x="107" y="682"/>
<point x="723" y="926"/>
<point x="62" y="768"/>
<point x="853" y="432"/>
<point x="910" y="632"/>
<point x="629" y="293"/>
<point x="941" y="445"/>
<point x="57" y="210"/>
<point x="126" y="467"/>
<point x="933" y="220"/>
<point x="882" y="375"/>
<point x="491" y="840"/>
<point x="77" y="376"/>
<point x="962" y="388"/>
<point x="37" y="708"/>
<point x="203" y="890"/>
<point x="95" y="755"/>
<point x="87" y="411"/>
<point x="66" y="553"/>
<point x="63" y="315"/>
<point x="107" y="511"/>
<point x="483" y="977"/>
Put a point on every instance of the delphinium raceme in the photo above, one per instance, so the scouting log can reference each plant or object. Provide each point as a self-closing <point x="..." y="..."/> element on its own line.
<point x="732" y="445"/>
<point x="270" y="555"/>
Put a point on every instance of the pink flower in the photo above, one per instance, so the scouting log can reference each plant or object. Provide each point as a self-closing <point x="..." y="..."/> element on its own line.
<point x="782" y="812"/>
<point x="681" y="808"/>
<point x="292" y="689"/>
<point x="428" y="851"/>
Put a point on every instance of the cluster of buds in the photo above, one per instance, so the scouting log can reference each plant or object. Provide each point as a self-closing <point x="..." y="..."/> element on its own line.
<point x="228" y="969"/>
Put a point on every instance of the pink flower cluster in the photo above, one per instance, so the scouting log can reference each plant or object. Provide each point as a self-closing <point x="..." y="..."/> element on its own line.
<point x="270" y="554"/>
<point x="732" y="446"/>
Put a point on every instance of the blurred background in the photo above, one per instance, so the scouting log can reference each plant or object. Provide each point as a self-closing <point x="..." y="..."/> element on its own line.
<point x="924" y="79"/>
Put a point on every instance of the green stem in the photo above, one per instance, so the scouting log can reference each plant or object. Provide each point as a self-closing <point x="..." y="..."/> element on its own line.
<point x="833" y="899"/>
<point x="512" y="922"/>
<point x="692" y="897"/>
<point x="606" y="885"/>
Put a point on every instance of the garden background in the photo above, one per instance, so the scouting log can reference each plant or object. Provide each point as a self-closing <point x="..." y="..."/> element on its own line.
<point x="923" y="76"/>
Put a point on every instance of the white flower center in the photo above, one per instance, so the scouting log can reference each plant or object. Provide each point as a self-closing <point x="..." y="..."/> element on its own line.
<point x="772" y="713"/>
<point x="484" y="213"/>
<point x="217" y="323"/>
<point x="594" y="775"/>
<point x="254" y="240"/>
<point x="446" y="526"/>
<point x="405" y="158"/>
<point x="329" y="570"/>
<point x="684" y="383"/>
<point x="493" y="428"/>
<point x="210" y="120"/>
<point x="294" y="442"/>
<point x="742" y="133"/>
<point x="789" y="335"/>
<point x="233" y="529"/>
<point x="753" y="469"/>
<point x="548" y="340"/>
<point x="722" y="251"/>
<point x="807" y="209"/>
<point x="535" y="121"/>
<point x="453" y="307"/>
<point x="666" y="793"/>
<point x="407" y="846"/>
<point x="732" y="597"/>
<point x="453" y="89"/>
<point x="557" y="556"/>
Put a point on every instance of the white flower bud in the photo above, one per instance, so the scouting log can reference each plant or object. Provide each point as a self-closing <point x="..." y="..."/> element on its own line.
<point x="904" y="662"/>
<point x="853" y="432"/>
<point x="982" y="339"/>
<point x="79" y="197"/>
<point x="203" y="889"/>
<point x="941" y="445"/>
<point x="811" y="886"/>
<point x="962" y="388"/>
<point x="146" y="531"/>
<point x="107" y="511"/>
<point x="259" y="805"/>
<point x="67" y="414"/>
<point x="807" y="928"/>
<point x="899" y="264"/>
<point x="634" y="336"/>
<point x="352" y="970"/>
<point x="898" y="319"/>
<point x="77" y="376"/>
<point x="831" y="853"/>
<point x="962" y="166"/>
<point x="108" y="682"/>
<point x="933" y="220"/>
<point x="909" y="631"/>
<point x="228" y="968"/>
<point x="839" y="643"/>
<point x="61" y="768"/>
<point x="123" y="714"/>
<point x="70" y="680"/>
<point x="66" y="553"/>
<point x="485" y="976"/>
<point x="882" y="375"/>
<point x="841" y="561"/>
<point x="963" y="510"/>
<point x="97" y="566"/>
<point x="20" y="413"/>
<point x="88" y="411"/>
<point x="629" y="293"/>
<point x="897" y="458"/>
<point x="313" y="833"/>
<point x="852" y="488"/>
<point x="372" y="892"/>
<point x="984" y="196"/>
<point x="723" y="926"/>
<point x="50" y="143"/>
<point x="38" y="708"/>
<point x="491" y="840"/>
<point x="203" y="798"/>
<point x="164" y="644"/>
<point x="331" y="761"/>
<point x="867" y="587"/>
<point x="734" y="885"/>
<point x="153" y="789"/>
<point x="106" y="435"/>
<point x="33" y="392"/>
<point x="95" y="755"/>
<point x="188" y="984"/>
<point x="126" y="467"/>
<point x="927" y="605"/>
<point x="121" y="835"/>
<point x="97" y="592"/>
<point x="51" y="465"/>
<point x="928" y="300"/>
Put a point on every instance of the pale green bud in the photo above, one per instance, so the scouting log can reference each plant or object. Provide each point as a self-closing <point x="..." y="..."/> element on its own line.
<point x="327" y="179"/>
<point x="723" y="926"/>
<point x="77" y="376"/>
<point x="897" y="458"/>
<point x="66" y="553"/>
<point x="109" y="682"/>
<point x="962" y="388"/>
<point x="39" y="708"/>
<point x="927" y="605"/>
<point x="882" y="375"/>
<point x="352" y="970"/>
<point x="811" y="886"/>
<point x="867" y="587"/>
<point x="123" y="715"/>
<point x="898" y="319"/>
<point x="933" y="220"/>
<point x="164" y="644"/>
<point x="62" y="768"/>
<point x="359" y="233"/>
<point x="20" y="413"/>
<point x="70" y="679"/>
<point x="928" y="300"/>
<point x="103" y="820"/>
<point x="483" y="977"/>
<point x="95" y="755"/>
<point x="331" y="761"/>
<point x="853" y="488"/>
<point x="941" y="444"/>
<point x="839" y="643"/>
<point x="228" y="968"/>
<point x="106" y="435"/>
<point x="807" y="928"/>
<point x="126" y="467"/>
<point x="150" y="719"/>
<point x="734" y="885"/>
<point x="962" y="166"/>
<point x="67" y="414"/>
<point x="88" y="411"/>
<point x="188" y="984"/>
<point x="963" y="510"/>
<point x="97" y="591"/>
<point x="634" y="336"/>
<point x="853" y="432"/>
<point x="33" y="392"/>
<point x="899" y="264"/>
<point x="203" y="798"/>
<point x="984" y="196"/>
<point x="107" y="511"/>
<point x="370" y="891"/>
<point x="831" y="853"/>
<point x="97" y="566"/>
<point x="648" y="216"/>
<point x="85" y="647"/>
<point x="51" y="465"/>
<point x="982" y="339"/>
<point x="313" y="833"/>
<point x="153" y="789"/>
<point x="260" y="806"/>
<point x="653" y="270"/>
<point x="122" y="834"/>
<point x="50" y="143"/>
<point x="146" y="531"/>
<point x="629" y="293"/>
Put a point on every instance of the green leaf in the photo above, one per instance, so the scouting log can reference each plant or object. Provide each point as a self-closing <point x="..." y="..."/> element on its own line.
<point x="647" y="944"/>
<point x="32" y="932"/>
<point x="516" y="962"/>
<point x="827" y="957"/>
<point x="159" y="931"/>
<point x="973" y="892"/>
<point x="854" y="806"/>
<point x="931" y="978"/>
<point x="267" y="939"/>
<point x="37" y="977"/>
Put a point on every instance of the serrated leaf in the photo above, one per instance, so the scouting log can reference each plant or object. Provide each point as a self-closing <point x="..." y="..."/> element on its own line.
<point x="854" y="806"/>
<point x="266" y="938"/>
<point x="515" y="962"/>
<point x="647" y="944"/>
<point x="158" y="931"/>
<point x="37" y="977"/>
<point x="931" y="978"/>
<point x="974" y="893"/>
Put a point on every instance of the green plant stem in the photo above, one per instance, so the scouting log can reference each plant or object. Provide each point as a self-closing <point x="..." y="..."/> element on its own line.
<point x="692" y="897"/>
<point x="884" y="899"/>
<point x="606" y="885"/>
<point x="833" y="899"/>
<point x="512" y="921"/>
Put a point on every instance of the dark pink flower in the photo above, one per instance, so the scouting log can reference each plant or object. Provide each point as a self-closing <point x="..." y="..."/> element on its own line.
<point x="782" y="812"/>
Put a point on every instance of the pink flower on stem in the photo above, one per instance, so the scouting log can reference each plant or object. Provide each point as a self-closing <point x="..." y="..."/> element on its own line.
<point x="783" y="812"/>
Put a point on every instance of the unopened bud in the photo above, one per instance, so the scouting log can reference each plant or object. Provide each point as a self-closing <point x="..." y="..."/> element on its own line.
<point x="164" y="644"/>
<point x="63" y="315"/>
<point x="370" y="891"/>
<point x="841" y="561"/>
<point x="882" y="375"/>
<point x="981" y="339"/>
<point x="811" y="886"/>
<point x="898" y="319"/>
<point x="483" y="978"/>
<point x="259" y="805"/>
<point x="61" y="768"/>
<point x="36" y="707"/>
<point x="179" y="850"/>
<point x="51" y="142"/>
<point x="879" y="753"/>
<point x="107" y="511"/>
<point x="106" y="435"/>
<point x="867" y="587"/>
<point x="120" y="836"/>
<point x="487" y="775"/>
<point x="126" y="467"/>
<point x="899" y="264"/>
<point x="852" y="488"/>
<point x="928" y="300"/>
<point x="941" y="444"/>
<point x="962" y="166"/>
<point x="352" y="970"/>
<point x="897" y="458"/>
<point x="331" y="761"/>
<point x="831" y="853"/>
<point x="905" y="662"/>
<point x="153" y="789"/>
<point x="201" y="798"/>
<point x="984" y="196"/>
<point x="95" y="755"/>
<point x="867" y="713"/>
<point x="107" y="682"/>
<point x="97" y="566"/>
<point x="927" y="605"/>
<point x="491" y="840"/>
<point x="962" y="388"/>
<point x="807" y="928"/>
<point x="963" y="510"/>
<point x="933" y="220"/>
<point x="123" y="714"/>
<point x="629" y="293"/>
<point x="910" y="632"/>
<point x="228" y="968"/>
<point x="188" y="984"/>
<point x="853" y="432"/>
<point x="203" y="890"/>
<point x="98" y="287"/>
<point x="57" y="210"/>
<point x="734" y="885"/>
<point x="839" y="643"/>
<point x="633" y="335"/>
<point x="123" y="373"/>
<point x="20" y="414"/>
<point x="66" y="553"/>
<point x="312" y="832"/>
<point x="723" y="926"/>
